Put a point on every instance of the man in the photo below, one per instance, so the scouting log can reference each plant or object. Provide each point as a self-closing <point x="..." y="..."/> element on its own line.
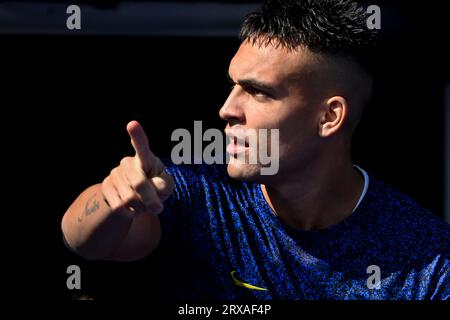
<point x="321" y="228"/>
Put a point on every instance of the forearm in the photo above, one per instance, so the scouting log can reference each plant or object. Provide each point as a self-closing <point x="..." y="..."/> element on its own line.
<point x="90" y="227"/>
<point x="117" y="220"/>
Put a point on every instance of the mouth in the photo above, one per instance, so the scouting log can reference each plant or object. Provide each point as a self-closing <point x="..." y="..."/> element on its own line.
<point x="238" y="142"/>
<point x="236" y="147"/>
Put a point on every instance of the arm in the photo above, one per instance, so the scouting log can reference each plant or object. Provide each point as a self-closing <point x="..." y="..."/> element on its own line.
<point x="117" y="219"/>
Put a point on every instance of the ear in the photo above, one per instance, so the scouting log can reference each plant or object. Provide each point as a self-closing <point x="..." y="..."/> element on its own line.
<point x="333" y="116"/>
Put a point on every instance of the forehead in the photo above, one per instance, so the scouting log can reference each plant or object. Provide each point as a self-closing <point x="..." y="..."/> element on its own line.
<point x="270" y="62"/>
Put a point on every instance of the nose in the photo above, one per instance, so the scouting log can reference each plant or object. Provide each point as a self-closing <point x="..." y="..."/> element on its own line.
<point x="232" y="110"/>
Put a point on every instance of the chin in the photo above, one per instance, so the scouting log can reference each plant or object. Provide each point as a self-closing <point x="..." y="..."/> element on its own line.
<point x="244" y="172"/>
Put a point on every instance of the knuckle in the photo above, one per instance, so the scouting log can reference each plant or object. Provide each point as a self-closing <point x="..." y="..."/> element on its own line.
<point x="126" y="161"/>
<point x="107" y="184"/>
<point x="106" y="181"/>
<point x="113" y="172"/>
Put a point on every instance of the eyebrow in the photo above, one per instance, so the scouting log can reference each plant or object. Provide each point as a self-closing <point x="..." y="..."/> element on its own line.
<point x="252" y="83"/>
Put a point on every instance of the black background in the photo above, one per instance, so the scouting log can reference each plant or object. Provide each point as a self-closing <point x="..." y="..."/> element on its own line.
<point x="66" y="101"/>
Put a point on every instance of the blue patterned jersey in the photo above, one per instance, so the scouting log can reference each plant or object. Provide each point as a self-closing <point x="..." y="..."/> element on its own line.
<point x="225" y="242"/>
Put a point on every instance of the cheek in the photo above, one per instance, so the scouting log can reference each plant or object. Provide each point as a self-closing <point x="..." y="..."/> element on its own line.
<point x="264" y="118"/>
<point x="297" y="135"/>
<point x="296" y="126"/>
<point x="300" y="125"/>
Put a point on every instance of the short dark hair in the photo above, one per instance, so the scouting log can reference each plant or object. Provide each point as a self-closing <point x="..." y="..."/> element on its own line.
<point x="323" y="26"/>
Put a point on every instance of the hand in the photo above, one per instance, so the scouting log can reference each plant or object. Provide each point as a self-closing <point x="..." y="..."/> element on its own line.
<point x="139" y="184"/>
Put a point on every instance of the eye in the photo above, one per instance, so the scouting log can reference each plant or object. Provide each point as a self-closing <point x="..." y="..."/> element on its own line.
<point x="256" y="92"/>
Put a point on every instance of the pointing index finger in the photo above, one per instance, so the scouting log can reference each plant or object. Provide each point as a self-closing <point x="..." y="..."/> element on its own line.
<point x="140" y="144"/>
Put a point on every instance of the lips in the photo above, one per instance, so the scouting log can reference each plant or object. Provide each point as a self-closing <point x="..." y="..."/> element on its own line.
<point x="239" y="137"/>
<point x="235" y="148"/>
<point x="238" y="141"/>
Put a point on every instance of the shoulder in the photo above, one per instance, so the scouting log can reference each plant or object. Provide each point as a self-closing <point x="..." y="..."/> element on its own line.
<point x="405" y="223"/>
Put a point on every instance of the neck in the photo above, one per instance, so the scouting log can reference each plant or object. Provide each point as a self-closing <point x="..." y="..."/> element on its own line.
<point x="319" y="196"/>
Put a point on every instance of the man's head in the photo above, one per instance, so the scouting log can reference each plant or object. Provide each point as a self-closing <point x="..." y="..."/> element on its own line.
<point x="300" y="69"/>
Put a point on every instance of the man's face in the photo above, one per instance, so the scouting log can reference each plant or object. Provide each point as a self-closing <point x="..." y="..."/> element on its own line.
<point x="274" y="89"/>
